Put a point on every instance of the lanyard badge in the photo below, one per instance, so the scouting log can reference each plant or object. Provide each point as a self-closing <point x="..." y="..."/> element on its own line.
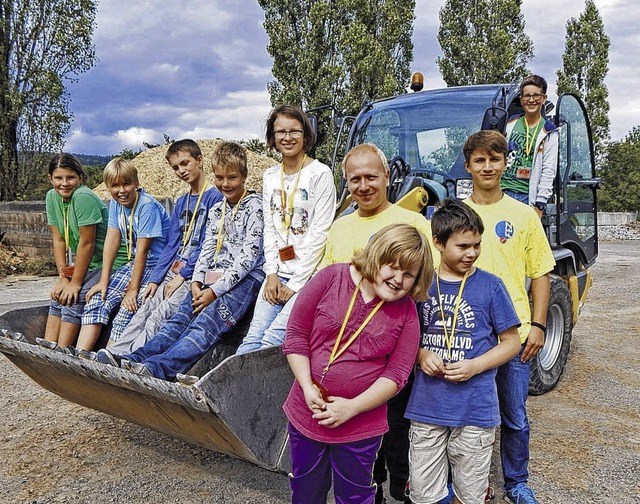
<point x="337" y="351"/>
<point x="449" y="337"/>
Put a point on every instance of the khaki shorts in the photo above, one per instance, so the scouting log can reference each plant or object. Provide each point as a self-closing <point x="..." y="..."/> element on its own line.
<point x="434" y="447"/>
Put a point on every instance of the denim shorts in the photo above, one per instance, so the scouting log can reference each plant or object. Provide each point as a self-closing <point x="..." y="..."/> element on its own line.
<point x="73" y="314"/>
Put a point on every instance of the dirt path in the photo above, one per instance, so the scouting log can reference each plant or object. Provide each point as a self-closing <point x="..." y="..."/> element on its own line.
<point x="585" y="432"/>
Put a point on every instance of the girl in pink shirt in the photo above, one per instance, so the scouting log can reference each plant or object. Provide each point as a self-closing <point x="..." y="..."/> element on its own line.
<point x="351" y="342"/>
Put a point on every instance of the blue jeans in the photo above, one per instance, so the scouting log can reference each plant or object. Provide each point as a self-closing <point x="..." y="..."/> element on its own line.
<point x="512" y="381"/>
<point x="524" y="198"/>
<point x="269" y="323"/>
<point x="185" y="338"/>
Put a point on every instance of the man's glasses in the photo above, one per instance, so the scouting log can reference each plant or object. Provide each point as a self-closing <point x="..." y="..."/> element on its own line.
<point x="280" y="134"/>
<point x="528" y="97"/>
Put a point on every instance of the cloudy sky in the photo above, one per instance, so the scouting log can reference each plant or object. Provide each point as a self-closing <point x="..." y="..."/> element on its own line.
<point x="199" y="68"/>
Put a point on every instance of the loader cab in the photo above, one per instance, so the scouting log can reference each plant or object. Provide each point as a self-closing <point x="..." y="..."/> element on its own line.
<point x="424" y="132"/>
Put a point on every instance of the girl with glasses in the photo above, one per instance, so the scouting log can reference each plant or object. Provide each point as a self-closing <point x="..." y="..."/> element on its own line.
<point x="299" y="199"/>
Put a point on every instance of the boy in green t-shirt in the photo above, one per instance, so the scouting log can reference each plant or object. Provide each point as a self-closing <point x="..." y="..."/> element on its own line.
<point x="532" y="160"/>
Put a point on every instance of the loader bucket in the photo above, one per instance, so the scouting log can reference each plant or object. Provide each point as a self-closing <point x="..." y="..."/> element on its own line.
<point x="235" y="408"/>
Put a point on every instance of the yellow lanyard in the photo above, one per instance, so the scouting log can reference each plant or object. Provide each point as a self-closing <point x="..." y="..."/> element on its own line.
<point x="222" y="232"/>
<point x="286" y="200"/>
<point x="448" y="338"/>
<point x="129" y="240"/>
<point x="193" y="218"/>
<point x="335" y="353"/>
<point x="66" y="233"/>
<point x="528" y="144"/>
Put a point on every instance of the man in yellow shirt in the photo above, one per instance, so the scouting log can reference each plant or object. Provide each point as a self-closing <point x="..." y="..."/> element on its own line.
<point x="514" y="247"/>
<point x="367" y="173"/>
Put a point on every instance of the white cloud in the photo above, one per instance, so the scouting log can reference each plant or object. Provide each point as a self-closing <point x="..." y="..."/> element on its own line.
<point x="199" y="68"/>
<point x="165" y="68"/>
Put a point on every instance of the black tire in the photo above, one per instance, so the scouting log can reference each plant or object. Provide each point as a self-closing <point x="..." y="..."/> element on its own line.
<point x="548" y="365"/>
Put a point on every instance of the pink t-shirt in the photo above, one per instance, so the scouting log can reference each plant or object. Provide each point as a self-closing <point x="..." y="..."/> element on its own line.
<point x="387" y="347"/>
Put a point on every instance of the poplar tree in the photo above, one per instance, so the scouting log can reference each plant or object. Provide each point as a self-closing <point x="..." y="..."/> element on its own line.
<point x="621" y="175"/>
<point x="44" y="44"/>
<point x="483" y="42"/>
<point x="585" y="64"/>
<point x="338" y="53"/>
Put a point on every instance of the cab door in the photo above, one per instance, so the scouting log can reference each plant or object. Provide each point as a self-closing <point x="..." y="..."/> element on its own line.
<point x="576" y="183"/>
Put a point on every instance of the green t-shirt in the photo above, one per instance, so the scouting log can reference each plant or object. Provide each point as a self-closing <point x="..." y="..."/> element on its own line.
<point x="519" y="162"/>
<point x="84" y="209"/>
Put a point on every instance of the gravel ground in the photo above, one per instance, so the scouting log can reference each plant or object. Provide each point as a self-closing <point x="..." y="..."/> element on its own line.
<point x="585" y="445"/>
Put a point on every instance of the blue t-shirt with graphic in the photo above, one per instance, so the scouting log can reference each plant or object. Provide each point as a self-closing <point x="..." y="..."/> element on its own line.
<point x="484" y="311"/>
<point x="179" y="225"/>
<point x="150" y="220"/>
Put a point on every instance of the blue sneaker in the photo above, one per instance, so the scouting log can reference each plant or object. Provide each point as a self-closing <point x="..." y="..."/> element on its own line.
<point x="520" y="494"/>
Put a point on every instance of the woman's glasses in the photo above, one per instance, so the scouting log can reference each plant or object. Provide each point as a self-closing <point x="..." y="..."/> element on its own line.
<point x="280" y="134"/>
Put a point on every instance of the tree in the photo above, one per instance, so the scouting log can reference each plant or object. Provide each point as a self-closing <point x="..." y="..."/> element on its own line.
<point x="621" y="175"/>
<point x="483" y="42"/>
<point x="338" y="52"/>
<point x="585" y="64"/>
<point x="43" y="45"/>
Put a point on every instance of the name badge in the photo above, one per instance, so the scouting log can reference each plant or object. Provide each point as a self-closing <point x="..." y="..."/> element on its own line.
<point x="523" y="173"/>
<point x="286" y="253"/>
<point x="212" y="277"/>
<point x="323" y="391"/>
<point x="177" y="266"/>
<point x="67" y="271"/>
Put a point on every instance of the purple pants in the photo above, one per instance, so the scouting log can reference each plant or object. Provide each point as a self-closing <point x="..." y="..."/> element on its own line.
<point x="315" y="464"/>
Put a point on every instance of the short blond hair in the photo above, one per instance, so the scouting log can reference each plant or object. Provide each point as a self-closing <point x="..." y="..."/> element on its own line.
<point x="400" y="244"/>
<point x="120" y="169"/>
<point x="366" y="148"/>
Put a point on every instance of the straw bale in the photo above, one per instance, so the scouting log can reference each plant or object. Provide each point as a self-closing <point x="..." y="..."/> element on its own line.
<point x="158" y="179"/>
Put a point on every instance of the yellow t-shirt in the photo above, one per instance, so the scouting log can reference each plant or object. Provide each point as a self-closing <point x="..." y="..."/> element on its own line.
<point x="514" y="247"/>
<point x="352" y="232"/>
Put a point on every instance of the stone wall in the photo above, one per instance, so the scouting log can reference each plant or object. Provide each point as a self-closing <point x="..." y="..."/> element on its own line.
<point x="616" y="218"/>
<point x="24" y="224"/>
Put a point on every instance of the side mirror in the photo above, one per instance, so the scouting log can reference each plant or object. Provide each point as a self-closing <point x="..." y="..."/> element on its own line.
<point x="495" y="118"/>
<point x="314" y="125"/>
<point x="547" y="108"/>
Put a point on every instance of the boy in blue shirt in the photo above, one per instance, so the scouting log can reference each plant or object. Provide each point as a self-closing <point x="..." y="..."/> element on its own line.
<point x="225" y="282"/>
<point x="170" y="279"/>
<point x="468" y="328"/>
<point x="139" y="221"/>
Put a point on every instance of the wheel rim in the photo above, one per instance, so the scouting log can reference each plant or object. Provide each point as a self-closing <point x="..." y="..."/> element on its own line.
<point x="553" y="339"/>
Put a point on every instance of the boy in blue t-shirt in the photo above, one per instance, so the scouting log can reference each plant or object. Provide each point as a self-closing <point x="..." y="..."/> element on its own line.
<point x="139" y="221"/>
<point x="468" y="328"/>
<point x="170" y="279"/>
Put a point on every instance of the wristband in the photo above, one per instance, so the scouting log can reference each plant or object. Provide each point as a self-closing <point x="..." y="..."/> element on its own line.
<point x="539" y="326"/>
